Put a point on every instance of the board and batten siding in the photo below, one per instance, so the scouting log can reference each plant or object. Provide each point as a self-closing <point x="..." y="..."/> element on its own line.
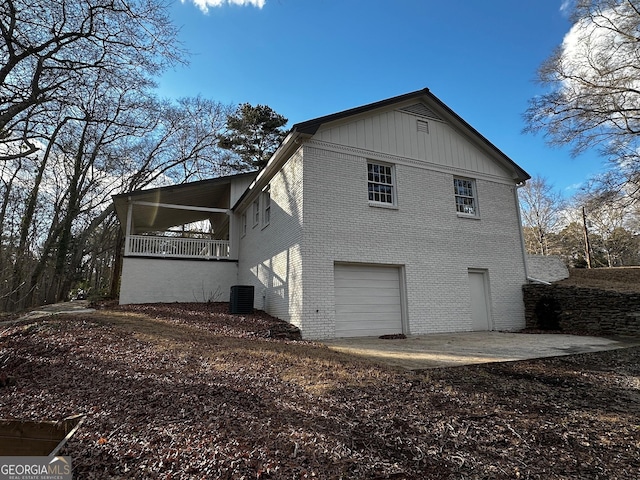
<point x="397" y="133"/>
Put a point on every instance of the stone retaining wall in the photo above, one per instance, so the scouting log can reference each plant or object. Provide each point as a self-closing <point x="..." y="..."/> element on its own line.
<point x="590" y="310"/>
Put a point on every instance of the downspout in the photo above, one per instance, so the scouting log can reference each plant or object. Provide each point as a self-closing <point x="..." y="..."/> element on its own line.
<point x="522" y="244"/>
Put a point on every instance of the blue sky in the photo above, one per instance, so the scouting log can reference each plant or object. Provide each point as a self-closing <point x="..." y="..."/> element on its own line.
<point x="308" y="58"/>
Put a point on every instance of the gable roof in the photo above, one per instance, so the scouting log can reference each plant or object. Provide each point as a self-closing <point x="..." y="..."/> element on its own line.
<point x="432" y="104"/>
<point x="310" y="127"/>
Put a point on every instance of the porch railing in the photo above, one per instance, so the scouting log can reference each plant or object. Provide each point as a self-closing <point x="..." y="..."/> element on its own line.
<point x="176" y="247"/>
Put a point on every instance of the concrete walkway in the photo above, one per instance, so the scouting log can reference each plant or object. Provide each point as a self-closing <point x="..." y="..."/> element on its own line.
<point x="447" y="350"/>
<point x="76" y="306"/>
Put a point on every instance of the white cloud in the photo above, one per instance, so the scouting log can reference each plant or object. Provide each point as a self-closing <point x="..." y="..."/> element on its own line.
<point x="574" y="187"/>
<point x="205" y="4"/>
<point x="566" y="7"/>
<point x="600" y="53"/>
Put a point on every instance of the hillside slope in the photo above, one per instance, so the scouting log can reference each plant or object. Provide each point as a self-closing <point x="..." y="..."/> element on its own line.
<point x="622" y="279"/>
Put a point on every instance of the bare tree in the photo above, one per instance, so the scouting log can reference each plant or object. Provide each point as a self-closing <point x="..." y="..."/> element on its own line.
<point x="570" y="245"/>
<point x="608" y="215"/>
<point x="592" y="84"/>
<point x="50" y="53"/>
<point x="79" y="122"/>
<point x="181" y="145"/>
<point x="541" y="213"/>
<point x="49" y="48"/>
<point x="115" y="143"/>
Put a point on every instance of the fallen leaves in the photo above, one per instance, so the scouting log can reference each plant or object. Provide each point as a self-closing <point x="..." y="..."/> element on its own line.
<point x="189" y="391"/>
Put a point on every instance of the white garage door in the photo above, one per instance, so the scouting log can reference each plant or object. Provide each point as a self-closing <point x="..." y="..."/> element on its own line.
<point x="367" y="301"/>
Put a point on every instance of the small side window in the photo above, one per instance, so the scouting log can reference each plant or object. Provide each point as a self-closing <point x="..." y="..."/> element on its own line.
<point x="256" y="211"/>
<point x="266" y="206"/>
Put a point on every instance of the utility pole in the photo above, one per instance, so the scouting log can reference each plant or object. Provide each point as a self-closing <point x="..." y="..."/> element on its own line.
<point x="587" y="244"/>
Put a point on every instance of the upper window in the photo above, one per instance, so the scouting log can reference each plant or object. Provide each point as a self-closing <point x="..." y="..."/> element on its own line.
<point x="244" y="224"/>
<point x="381" y="186"/>
<point x="465" y="193"/>
<point x="266" y="206"/>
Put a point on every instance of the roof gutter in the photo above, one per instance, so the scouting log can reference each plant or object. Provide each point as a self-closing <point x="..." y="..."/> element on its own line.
<point x="523" y="247"/>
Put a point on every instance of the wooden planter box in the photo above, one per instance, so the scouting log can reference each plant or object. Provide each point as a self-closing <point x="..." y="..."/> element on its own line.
<point x="29" y="438"/>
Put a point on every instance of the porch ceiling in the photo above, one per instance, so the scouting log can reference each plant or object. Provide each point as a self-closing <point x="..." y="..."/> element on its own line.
<point x="213" y="193"/>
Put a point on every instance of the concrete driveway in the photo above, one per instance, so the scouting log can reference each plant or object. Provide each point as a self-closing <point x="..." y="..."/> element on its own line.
<point x="448" y="350"/>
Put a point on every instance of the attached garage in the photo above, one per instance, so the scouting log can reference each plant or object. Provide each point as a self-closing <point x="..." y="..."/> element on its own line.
<point x="368" y="300"/>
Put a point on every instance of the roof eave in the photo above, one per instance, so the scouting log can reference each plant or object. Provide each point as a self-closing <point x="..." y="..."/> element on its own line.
<point x="310" y="127"/>
<point x="520" y="175"/>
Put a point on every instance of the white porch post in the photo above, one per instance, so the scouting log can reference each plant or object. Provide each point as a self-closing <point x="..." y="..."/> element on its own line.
<point x="127" y="235"/>
<point x="234" y="246"/>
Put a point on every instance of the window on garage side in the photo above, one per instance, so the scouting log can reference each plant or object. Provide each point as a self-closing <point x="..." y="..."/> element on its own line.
<point x="256" y="211"/>
<point x="266" y="206"/>
<point x="466" y="199"/>
<point x="381" y="183"/>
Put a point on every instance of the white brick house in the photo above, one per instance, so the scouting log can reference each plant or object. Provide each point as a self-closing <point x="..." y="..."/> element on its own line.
<point x="393" y="217"/>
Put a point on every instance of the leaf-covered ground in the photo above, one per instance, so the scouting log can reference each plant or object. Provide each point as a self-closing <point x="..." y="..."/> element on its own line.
<point x="188" y="391"/>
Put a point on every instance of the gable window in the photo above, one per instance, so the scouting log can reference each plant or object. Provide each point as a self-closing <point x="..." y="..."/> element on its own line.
<point x="256" y="211"/>
<point x="266" y="206"/>
<point x="380" y="183"/>
<point x="465" y="193"/>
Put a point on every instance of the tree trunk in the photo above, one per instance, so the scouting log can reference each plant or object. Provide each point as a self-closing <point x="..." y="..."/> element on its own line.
<point x="117" y="266"/>
<point x="587" y="243"/>
<point x="19" y="276"/>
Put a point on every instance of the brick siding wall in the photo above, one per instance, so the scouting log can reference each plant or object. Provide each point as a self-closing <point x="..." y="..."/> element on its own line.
<point x="291" y="262"/>
<point x="270" y="256"/>
<point x="423" y="235"/>
<point x="151" y="280"/>
<point x="548" y="268"/>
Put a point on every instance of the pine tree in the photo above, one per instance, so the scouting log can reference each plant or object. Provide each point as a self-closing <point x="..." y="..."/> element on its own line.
<point x="253" y="135"/>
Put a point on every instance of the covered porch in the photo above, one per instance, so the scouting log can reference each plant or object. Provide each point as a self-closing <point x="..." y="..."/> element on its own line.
<point x="181" y="242"/>
<point x="190" y="221"/>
